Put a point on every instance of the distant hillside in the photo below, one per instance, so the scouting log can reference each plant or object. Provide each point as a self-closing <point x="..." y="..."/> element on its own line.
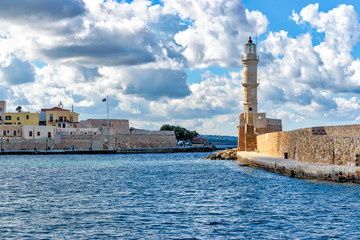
<point x="221" y="140"/>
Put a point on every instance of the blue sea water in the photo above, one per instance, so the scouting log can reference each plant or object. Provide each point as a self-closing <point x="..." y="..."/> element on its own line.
<point x="167" y="196"/>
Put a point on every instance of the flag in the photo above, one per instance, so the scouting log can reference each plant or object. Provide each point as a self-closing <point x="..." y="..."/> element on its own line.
<point x="104" y="100"/>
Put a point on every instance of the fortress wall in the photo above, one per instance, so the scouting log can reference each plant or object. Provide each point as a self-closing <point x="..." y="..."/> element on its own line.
<point x="122" y="141"/>
<point x="345" y="130"/>
<point x="302" y="145"/>
<point x="85" y="142"/>
<point x="269" y="143"/>
<point x="23" y="144"/>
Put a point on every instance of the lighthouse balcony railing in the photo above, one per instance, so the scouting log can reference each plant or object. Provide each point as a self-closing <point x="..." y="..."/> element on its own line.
<point x="249" y="83"/>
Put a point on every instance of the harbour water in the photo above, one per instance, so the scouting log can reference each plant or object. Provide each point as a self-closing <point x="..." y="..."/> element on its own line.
<point x="167" y="196"/>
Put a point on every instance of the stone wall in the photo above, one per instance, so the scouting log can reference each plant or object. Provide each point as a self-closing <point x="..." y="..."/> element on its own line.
<point x="24" y="144"/>
<point x="95" y="142"/>
<point x="314" y="145"/>
<point x="345" y="130"/>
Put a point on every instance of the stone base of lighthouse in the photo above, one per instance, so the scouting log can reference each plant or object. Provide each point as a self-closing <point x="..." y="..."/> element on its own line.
<point x="252" y="125"/>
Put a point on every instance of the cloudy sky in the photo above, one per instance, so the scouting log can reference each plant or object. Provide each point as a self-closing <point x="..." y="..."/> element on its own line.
<point x="179" y="61"/>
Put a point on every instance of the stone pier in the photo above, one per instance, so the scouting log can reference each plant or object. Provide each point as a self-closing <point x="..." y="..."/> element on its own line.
<point x="292" y="168"/>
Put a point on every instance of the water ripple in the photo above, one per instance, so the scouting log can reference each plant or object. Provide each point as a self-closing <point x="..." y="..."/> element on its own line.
<point x="167" y="196"/>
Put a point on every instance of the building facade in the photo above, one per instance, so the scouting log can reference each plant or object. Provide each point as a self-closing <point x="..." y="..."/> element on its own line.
<point x="59" y="117"/>
<point x="38" y="132"/>
<point x="21" y="118"/>
<point x="252" y="123"/>
<point x="116" y="126"/>
<point x="10" y="131"/>
<point x="2" y="110"/>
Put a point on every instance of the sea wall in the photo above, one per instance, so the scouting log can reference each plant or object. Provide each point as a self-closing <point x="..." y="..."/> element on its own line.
<point x="297" y="169"/>
<point x="336" y="145"/>
<point x="94" y="142"/>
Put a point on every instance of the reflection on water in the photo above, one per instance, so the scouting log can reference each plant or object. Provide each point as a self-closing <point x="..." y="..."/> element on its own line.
<point x="167" y="196"/>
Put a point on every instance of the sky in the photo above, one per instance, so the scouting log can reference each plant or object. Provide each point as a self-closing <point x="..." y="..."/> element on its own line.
<point x="179" y="61"/>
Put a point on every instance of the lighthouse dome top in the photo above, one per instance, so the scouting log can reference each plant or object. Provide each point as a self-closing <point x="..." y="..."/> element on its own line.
<point x="250" y="50"/>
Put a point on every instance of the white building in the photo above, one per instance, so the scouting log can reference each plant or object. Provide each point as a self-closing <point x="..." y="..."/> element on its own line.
<point x="38" y="132"/>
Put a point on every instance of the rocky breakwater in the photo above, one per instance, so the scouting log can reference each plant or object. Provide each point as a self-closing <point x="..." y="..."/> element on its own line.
<point x="228" y="154"/>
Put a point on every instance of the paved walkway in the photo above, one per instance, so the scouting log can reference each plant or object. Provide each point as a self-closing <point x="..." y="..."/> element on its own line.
<point x="297" y="169"/>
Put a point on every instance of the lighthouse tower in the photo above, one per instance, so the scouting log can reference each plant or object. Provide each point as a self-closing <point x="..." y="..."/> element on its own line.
<point x="250" y="83"/>
<point x="252" y="123"/>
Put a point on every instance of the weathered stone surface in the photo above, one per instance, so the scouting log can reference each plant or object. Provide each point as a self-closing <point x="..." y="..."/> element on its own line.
<point x="228" y="154"/>
<point x="341" y="145"/>
<point x="292" y="168"/>
<point x="94" y="142"/>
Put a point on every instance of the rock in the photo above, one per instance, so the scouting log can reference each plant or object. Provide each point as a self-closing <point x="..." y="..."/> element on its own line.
<point x="228" y="154"/>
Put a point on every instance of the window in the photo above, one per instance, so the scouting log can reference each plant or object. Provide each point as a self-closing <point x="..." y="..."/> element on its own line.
<point x="71" y="119"/>
<point x="49" y="134"/>
<point x="7" y="117"/>
<point x="14" y="132"/>
<point x="27" y="116"/>
<point x="0" y="109"/>
<point x="59" y="125"/>
<point x="38" y="133"/>
<point x="4" y="133"/>
<point x="357" y="160"/>
<point x="0" y="118"/>
<point x="30" y="133"/>
<point x="64" y="125"/>
<point x="51" y="118"/>
<point x="19" y="123"/>
<point x="18" y="118"/>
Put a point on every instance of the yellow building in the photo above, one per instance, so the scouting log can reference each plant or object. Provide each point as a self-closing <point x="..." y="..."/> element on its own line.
<point x="59" y="117"/>
<point x="21" y="118"/>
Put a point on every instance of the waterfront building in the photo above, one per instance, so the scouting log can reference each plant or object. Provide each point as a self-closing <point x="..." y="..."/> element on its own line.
<point x="38" y="132"/>
<point x="59" y="117"/>
<point x="77" y="131"/>
<point x="2" y="110"/>
<point x="58" y="128"/>
<point x="252" y="123"/>
<point x="10" y="131"/>
<point x="21" y="118"/>
<point x="116" y="126"/>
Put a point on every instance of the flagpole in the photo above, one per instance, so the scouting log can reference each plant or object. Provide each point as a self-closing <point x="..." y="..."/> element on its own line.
<point x="107" y="112"/>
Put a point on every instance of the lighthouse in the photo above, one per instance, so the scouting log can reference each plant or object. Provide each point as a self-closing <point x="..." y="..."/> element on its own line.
<point x="250" y="83"/>
<point x="252" y="123"/>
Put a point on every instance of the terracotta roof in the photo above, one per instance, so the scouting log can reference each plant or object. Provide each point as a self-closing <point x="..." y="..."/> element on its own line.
<point x="54" y="109"/>
<point x="198" y="139"/>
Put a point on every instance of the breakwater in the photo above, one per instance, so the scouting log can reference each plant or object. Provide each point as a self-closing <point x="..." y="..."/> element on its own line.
<point x="115" y="151"/>
<point x="297" y="169"/>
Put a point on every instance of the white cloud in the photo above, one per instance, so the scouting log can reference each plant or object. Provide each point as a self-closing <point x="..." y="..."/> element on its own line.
<point x="136" y="53"/>
<point x="217" y="30"/>
<point x="347" y="105"/>
<point x="301" y="78"/>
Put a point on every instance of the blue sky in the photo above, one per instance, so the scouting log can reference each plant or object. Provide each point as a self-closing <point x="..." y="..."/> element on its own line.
<point x="179" y="61"/>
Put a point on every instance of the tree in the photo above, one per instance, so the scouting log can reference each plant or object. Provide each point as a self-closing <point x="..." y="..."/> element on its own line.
<point x="18" y="109"/>
<point x="180" y="132"/>
<point x="61" y="105"/>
